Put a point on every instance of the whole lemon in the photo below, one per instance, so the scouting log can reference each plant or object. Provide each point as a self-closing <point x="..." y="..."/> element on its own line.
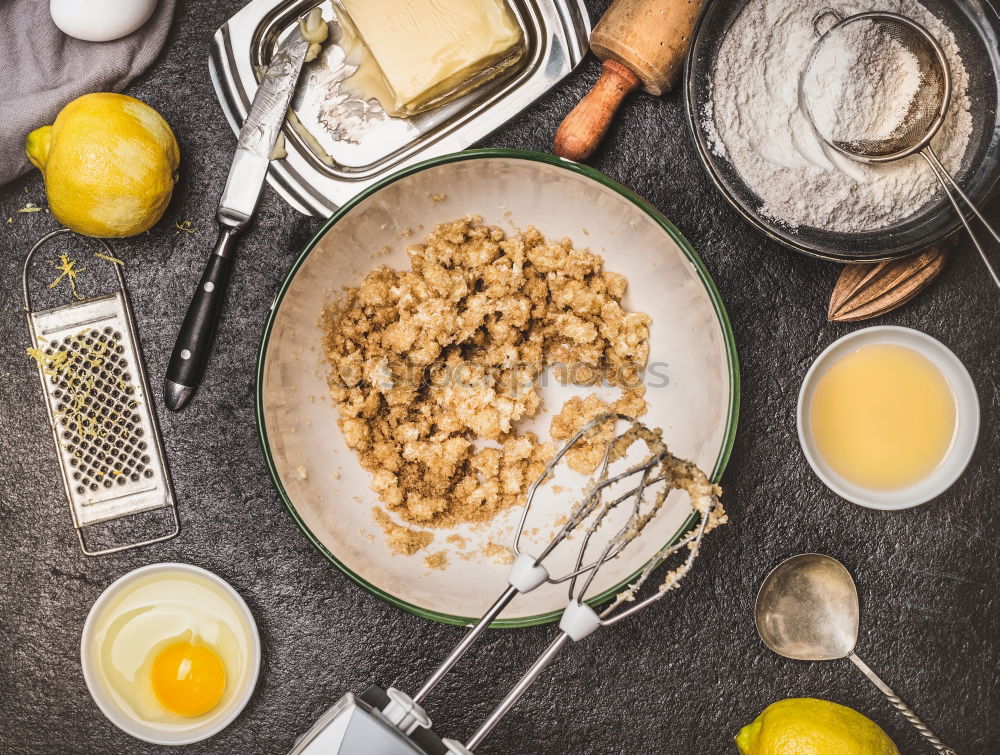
<point x="109" y="162"/>
<point x="807" y="726"/>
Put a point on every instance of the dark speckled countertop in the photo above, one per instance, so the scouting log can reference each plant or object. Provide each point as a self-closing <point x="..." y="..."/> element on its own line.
<point x="685" y="677"/>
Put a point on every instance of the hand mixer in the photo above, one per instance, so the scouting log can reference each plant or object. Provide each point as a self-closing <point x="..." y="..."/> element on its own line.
<point x="389" y="722"/>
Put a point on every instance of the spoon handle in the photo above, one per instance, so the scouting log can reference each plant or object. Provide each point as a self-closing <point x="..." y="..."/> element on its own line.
<point x="902" y="707"/>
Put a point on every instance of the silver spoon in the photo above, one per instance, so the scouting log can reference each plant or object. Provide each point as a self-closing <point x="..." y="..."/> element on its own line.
<point x="807" y="609"/>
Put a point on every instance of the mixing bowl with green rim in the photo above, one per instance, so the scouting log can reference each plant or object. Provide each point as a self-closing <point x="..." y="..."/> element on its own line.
<point x="692" y="381"/>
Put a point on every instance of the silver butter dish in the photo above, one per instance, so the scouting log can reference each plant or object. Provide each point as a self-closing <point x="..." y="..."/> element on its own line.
<point x="345" y="143"/>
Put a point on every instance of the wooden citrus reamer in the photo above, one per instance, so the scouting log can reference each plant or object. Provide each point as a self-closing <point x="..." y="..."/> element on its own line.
<point x="642" y="42"/>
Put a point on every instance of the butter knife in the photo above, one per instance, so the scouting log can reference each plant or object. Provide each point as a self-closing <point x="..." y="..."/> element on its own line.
<point x="239" y="200"/>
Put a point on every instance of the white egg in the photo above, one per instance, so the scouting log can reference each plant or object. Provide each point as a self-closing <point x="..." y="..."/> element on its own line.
<point x="100" y="20"/>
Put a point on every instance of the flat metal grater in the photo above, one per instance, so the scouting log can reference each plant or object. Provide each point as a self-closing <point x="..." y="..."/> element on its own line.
<point x="100" y="410"/>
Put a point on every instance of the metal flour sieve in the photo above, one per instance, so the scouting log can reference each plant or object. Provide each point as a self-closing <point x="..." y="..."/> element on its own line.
<point x="975" y="28"/>
<point x="922" y="121"/>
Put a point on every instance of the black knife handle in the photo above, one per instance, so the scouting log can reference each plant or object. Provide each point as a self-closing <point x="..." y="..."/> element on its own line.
<point x="194" y="341"/>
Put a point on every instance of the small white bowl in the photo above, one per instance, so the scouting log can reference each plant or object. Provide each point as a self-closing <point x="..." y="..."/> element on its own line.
<point x="110" y="708"/>
<point x="966" y="418"/>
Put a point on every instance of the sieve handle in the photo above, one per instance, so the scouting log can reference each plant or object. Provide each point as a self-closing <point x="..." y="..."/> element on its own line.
<point x="194" y="341"/>
<point x="954" y="191"/>
<point x="825" y="20"/>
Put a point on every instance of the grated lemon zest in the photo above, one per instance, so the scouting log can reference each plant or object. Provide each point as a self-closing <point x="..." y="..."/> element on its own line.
<point x="80" y="387"/>
<point x="109" y="258"/>
<point x="68" y="270"/>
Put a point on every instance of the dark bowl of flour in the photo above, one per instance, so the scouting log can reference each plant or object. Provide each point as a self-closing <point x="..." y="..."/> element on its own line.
<point x="760" y="150"/>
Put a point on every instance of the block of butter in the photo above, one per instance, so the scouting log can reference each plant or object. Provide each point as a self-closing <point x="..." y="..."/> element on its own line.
<point x="428" y="51"/>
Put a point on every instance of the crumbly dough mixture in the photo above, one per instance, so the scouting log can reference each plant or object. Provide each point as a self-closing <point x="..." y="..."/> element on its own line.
<point x="401" y="539"/>
<point x="586" y="453"/>
<point x="437" y="561"/>
<point x="432" y="367"/>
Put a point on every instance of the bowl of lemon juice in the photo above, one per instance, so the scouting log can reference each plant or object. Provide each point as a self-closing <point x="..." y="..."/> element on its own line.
<point x="888" y="417"/>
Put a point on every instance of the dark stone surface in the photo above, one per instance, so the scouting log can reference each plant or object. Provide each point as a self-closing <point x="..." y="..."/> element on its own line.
<point x="683" y="678"/>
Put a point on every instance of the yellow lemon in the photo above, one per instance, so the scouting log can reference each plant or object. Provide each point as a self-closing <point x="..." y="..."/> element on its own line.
<point x="109" y="162"/>
<point x="807" y="726"/>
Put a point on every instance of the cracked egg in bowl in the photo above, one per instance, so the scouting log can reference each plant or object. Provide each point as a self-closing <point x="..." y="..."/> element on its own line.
<point x="170" y="653"/>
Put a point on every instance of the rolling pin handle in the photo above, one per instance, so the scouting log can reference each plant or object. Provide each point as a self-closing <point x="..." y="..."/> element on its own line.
<point x="585" y="126"/>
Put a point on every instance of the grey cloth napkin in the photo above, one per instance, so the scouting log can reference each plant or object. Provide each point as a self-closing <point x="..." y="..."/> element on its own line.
<point x="41" y="69"/>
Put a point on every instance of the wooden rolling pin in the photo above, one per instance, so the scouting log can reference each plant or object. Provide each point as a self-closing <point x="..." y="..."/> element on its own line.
<point x="641" y="42"/>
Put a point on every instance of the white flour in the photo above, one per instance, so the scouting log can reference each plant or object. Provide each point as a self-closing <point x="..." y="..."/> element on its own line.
<point x="755" y="120"/>
<point x="861" y="83"/>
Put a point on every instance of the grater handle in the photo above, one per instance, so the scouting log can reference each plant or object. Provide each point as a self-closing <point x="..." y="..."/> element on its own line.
<point x="194" y="342"/>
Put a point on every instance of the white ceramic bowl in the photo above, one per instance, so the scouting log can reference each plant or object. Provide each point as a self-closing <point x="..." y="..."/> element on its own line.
<point x="966" y="418"/>
<point x="694" y="396"/>
<point x="110" y="707"/>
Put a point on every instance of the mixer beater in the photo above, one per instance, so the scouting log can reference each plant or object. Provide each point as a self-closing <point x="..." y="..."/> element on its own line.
<point x="616" y="505"/>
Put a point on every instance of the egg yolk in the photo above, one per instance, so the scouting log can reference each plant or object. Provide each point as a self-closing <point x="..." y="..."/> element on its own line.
<point x="188" y="679"/>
